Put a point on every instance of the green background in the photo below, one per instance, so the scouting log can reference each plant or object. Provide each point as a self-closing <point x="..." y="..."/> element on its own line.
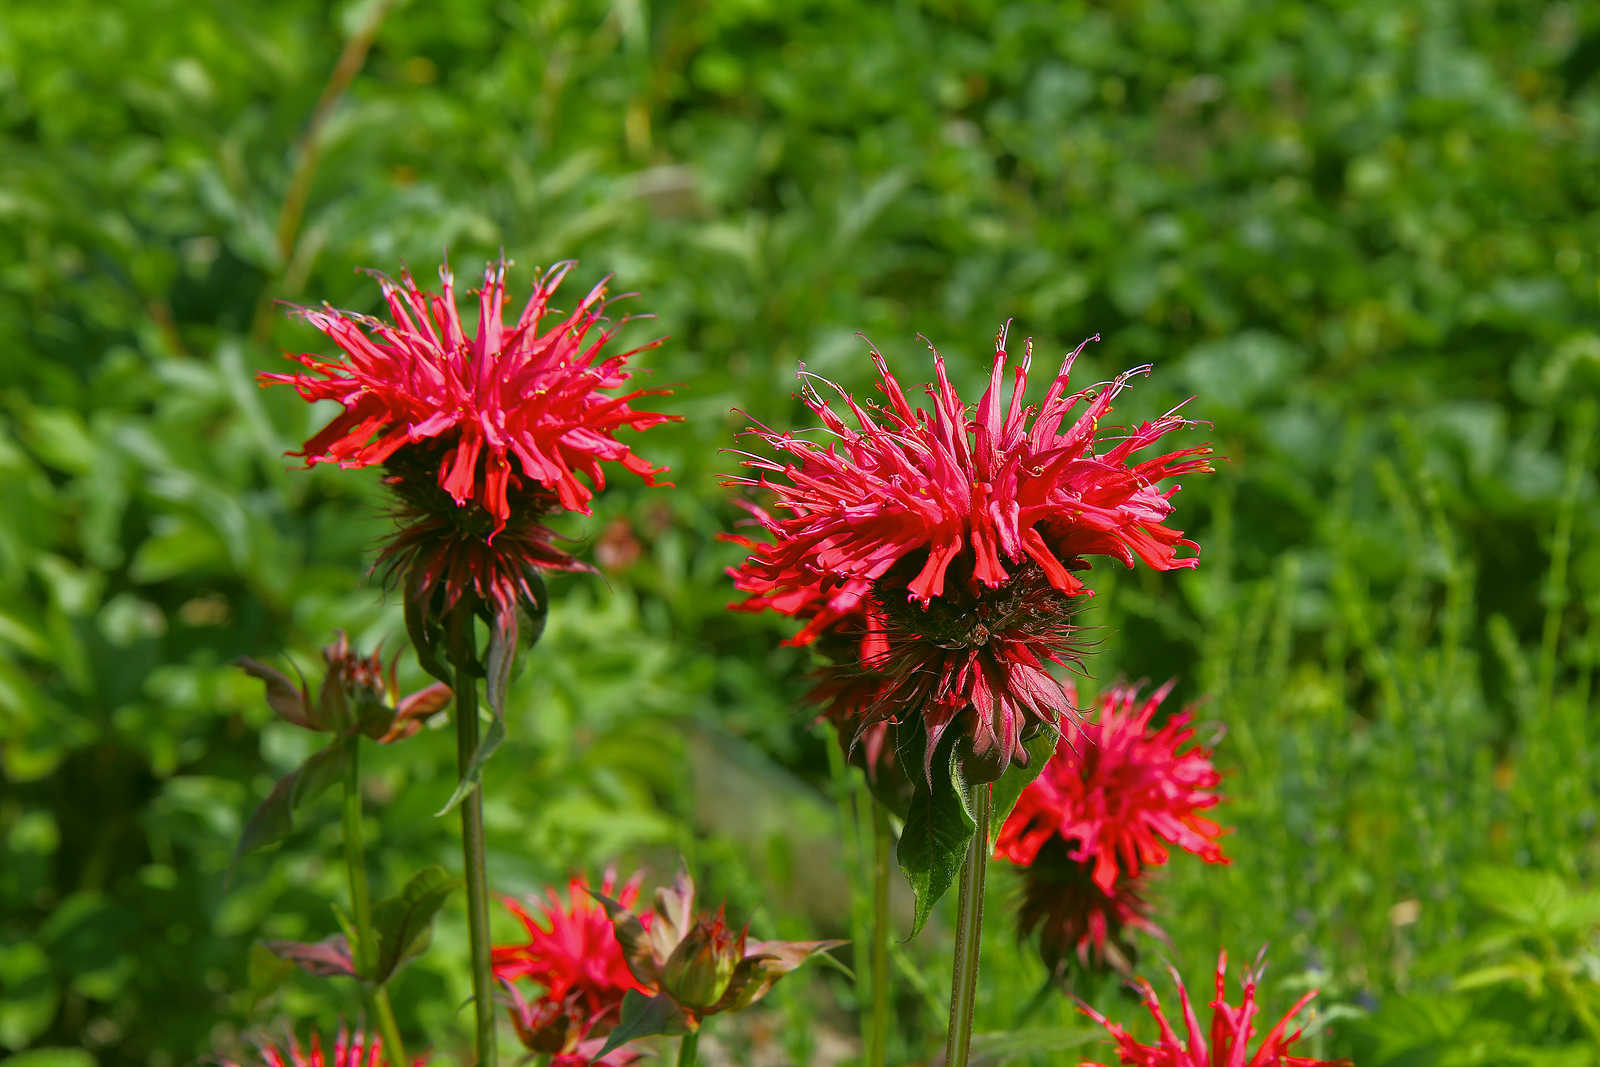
<point x="1362" y="235"/>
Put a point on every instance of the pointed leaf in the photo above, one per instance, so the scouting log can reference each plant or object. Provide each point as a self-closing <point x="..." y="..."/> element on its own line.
<point x="266" y="972"/>
<point x="502" y="653"/>
<point x="644" y="1016"/>
<point x="289" y="702"/>
<point x="1009" y="787"/>
<point x="427" y="636"/>
<point x="273" y="820"/>
<point x="939" y="826"/>
<point x="633" y="939"/>
<point x="413" y="710"/>
<point x="403" y="924"/>
<point x="766" y="962"/>
<point x="490" y="741"/>
<point x="328" y="958"/>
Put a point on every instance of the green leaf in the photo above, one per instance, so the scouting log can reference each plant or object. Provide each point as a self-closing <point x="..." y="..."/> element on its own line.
<point x="469" y="781"/>
<point x="939" y="826"/>
<point x="274" y="818"/>
<point x="404" y="923"/>
<point x="52" y="1057"/>
<point x="28" y="994"/>
<point x="1011" y="784"/>
<point x="266" y="973"/>
<point x="644" y="1016"/>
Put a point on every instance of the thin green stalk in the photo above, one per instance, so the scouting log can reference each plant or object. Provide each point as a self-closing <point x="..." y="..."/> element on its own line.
<point x="472" y="847"/>
<point x="361" y="901"/>
<point x="882" y="859"/>
<point x="687" y="1049"/>
<point x="969" y="934"/>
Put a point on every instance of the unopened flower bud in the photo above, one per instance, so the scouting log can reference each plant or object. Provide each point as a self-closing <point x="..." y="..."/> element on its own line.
<point x="700" y="968"/>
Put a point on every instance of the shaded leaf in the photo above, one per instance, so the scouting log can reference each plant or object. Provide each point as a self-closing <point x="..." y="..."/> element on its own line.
<point x="938" y="828"/>
<point x="289" y="702"/>
<point x="1010" y="786"/>
<point x="273" y="820"/>
<point x="492" y="737"/>
<point x="644" y="1016"/>
<point x="633" y="939"/>
<point x="403" y="924"/>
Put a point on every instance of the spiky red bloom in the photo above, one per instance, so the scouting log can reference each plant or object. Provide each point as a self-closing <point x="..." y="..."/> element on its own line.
<point x="1231" y="1029"/>
<point x="481" y="434"/>
<point x="963" y="533"/>
<point x="349" y="1050"/>
<point x="573" y="953"/>
<point x="1119" y="792"/>
<point x="1074" y="918"/>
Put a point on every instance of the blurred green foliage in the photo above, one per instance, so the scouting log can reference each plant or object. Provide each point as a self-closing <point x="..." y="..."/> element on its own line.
<point x="1363" y="235"/>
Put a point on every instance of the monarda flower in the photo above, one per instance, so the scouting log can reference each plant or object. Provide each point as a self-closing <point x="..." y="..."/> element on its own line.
<point x="961" y="535"/>
<point x="481" y="435"/>
<point x="573" y="955"/>
<point x="1118" y="791"/>
<point x="697" y="962"/>
<point x="1227" y="1041"/>
<point x="1071" y="917"/>
<point x="349" y="1050"/>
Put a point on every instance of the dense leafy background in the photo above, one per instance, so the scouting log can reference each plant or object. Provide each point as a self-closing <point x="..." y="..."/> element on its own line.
<point x="1364" y="236"/>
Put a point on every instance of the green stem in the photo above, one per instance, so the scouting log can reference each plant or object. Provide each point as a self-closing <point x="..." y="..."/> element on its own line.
<point x="462" y="655"/>
<point x="355" y="861"/>
<point x="687" y="1048"/>
<point x="882" y="859"/>
<point x="969" y="933"/>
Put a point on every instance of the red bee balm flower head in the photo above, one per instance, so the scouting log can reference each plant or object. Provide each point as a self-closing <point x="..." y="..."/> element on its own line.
<point x="1118" y="792"/>
<point x="958" y="537"/>
<point x="349" y="1050"/>
<point x="480" y="435"/>
<point x="1231" y="1030"/>
<point x="1074" y="917"/>
<point x="573" y="954"/>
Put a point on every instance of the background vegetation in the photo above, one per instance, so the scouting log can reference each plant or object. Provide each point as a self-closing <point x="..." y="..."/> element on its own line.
<point x="1363" y="236"/>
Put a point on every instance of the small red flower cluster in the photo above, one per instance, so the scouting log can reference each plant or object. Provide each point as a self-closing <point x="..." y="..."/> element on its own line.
<point x="948" y="543"/>
<point x="1231" y="1030"/>
<point x="573" y="955"/>
<point x="1115" y="793"/>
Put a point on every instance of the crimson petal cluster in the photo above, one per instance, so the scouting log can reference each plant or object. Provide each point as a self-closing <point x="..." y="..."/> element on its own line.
<point x="1116" y="792"/>
<point x="350" y="1049"/>
<point x="1226" y="1043"/>
<point x="957" y="538"/>
<point x="572" y="954"/>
